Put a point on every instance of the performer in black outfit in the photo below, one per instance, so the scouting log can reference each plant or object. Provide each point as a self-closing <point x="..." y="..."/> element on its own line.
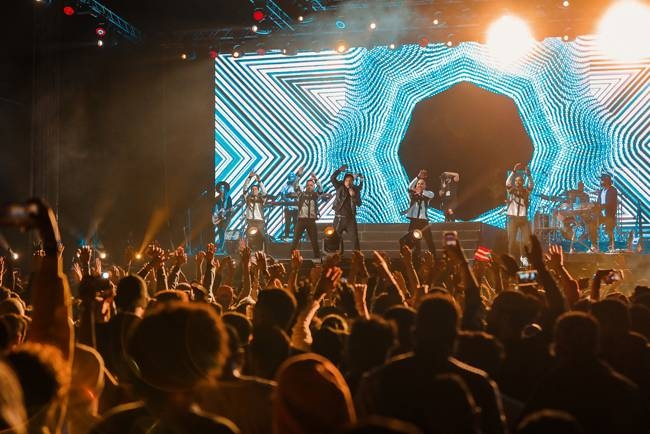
<point x="308" y="213"/>
<point x="348" y="198"/>
<point x="288" y="196"/>
<point x="606" y="205"/>
<point x="449" y="194"/>
<point x="221" y="213"/>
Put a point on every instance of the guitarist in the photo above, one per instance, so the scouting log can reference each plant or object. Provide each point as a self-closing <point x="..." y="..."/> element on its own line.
<point x="221" y="213"/>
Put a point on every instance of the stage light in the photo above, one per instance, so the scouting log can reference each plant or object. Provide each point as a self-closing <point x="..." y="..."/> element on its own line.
<point x="184" y="56"/>
<point x="340" y="24"/>
<point x="100" y="31"/>
<point x="373" y="26"/>
<point x="451" y="40"/>
<point x="213" y="54"/>
<point x="341" y="47"/>
<point x="568" y="34"/>
<point x="411" y="238"/>
<point x="254" y="28"/>
<point x="436" y="21"/>
<point x="301" y="18"/>
<point x="236" y="52"/>
<point x="138" y="256"/>
<point x="103" y="255"/>
<point x="69" y="10"/>
<point x="331" y="240"/>
<point x="258" y="15"/>
<point x="509" y="39"/>
<point x="566" y="3"/>
<point x="100" y="43"/>
<point x="391" y="46"/>
<point x="254" y="239"/>
<point x="623" y="32"/>
<point x="14" y="255"/>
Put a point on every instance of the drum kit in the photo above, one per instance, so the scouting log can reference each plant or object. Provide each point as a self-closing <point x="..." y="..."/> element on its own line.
<point x="564" y="219"/>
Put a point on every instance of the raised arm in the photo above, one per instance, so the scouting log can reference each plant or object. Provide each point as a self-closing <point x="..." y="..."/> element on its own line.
<point x="412" y="183"/>
<point x="247" y="182"/>
<point x="337" y="172"/>
<point x="530" y="180"/>
<point x="455" y="175"/>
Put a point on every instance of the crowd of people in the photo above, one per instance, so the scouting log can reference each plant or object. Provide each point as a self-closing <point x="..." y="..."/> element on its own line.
<point x="420" y="344"/>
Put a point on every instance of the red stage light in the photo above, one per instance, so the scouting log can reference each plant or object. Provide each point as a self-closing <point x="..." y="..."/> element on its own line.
<point x="100" y="31"/>
<point x="68" y="10"/>
<point x="213" y="54"/>
<point x="258" y="15"/>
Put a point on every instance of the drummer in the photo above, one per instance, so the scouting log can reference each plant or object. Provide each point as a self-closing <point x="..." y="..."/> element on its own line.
<point x="577" y="199"/>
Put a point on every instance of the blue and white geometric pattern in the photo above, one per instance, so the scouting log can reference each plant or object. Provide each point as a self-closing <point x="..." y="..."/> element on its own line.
<point x="585" y="114"/>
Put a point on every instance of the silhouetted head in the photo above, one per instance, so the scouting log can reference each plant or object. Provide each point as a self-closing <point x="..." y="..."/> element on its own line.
<point x="549" y="421"/>
<point x="369" y="343"/>
<point x="576" y="337"/>
<point x="436" y="326"/>
<point x="131" y="294"/>
<point x="274" y="308"/>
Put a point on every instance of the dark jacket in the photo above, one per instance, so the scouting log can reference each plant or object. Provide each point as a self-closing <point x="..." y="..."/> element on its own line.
<point x="342" y="194"/>
<point x="611" y="202"/>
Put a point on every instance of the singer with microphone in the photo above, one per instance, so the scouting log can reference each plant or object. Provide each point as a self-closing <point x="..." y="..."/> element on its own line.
<point x="348" y="198"/>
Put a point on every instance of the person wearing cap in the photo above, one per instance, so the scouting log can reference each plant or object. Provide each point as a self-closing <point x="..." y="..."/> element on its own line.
<point x="288" y="196"/>
<point x="348" y="198"/>
<point x="607" y="205"/>
<point x="221" y="213"/>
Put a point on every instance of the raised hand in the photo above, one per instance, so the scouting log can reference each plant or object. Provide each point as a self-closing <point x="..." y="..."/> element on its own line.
<point x="276" y="271"/>
<point x="296" y="260"/>
<point x="423" y="174"/>
<point x="252" y="174"/>
<point x="555" y="257"/>
<point x="200" y="257"/>
<point x="517" y="167"/>
<point x="407" y="254"/>
<point x="313" y="176"/>
<point x="84" y="253"/>
<point x="329" y="279"/>
<point x="157" y="255"/>
<point x="179" y="257"/>
<point x="343" y="167"/>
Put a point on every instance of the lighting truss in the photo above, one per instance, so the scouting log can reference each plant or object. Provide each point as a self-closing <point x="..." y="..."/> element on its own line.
<point x="121" y="26"/>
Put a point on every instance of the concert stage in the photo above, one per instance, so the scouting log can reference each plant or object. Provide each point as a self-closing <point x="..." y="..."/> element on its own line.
<point x="385" y="237"/>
